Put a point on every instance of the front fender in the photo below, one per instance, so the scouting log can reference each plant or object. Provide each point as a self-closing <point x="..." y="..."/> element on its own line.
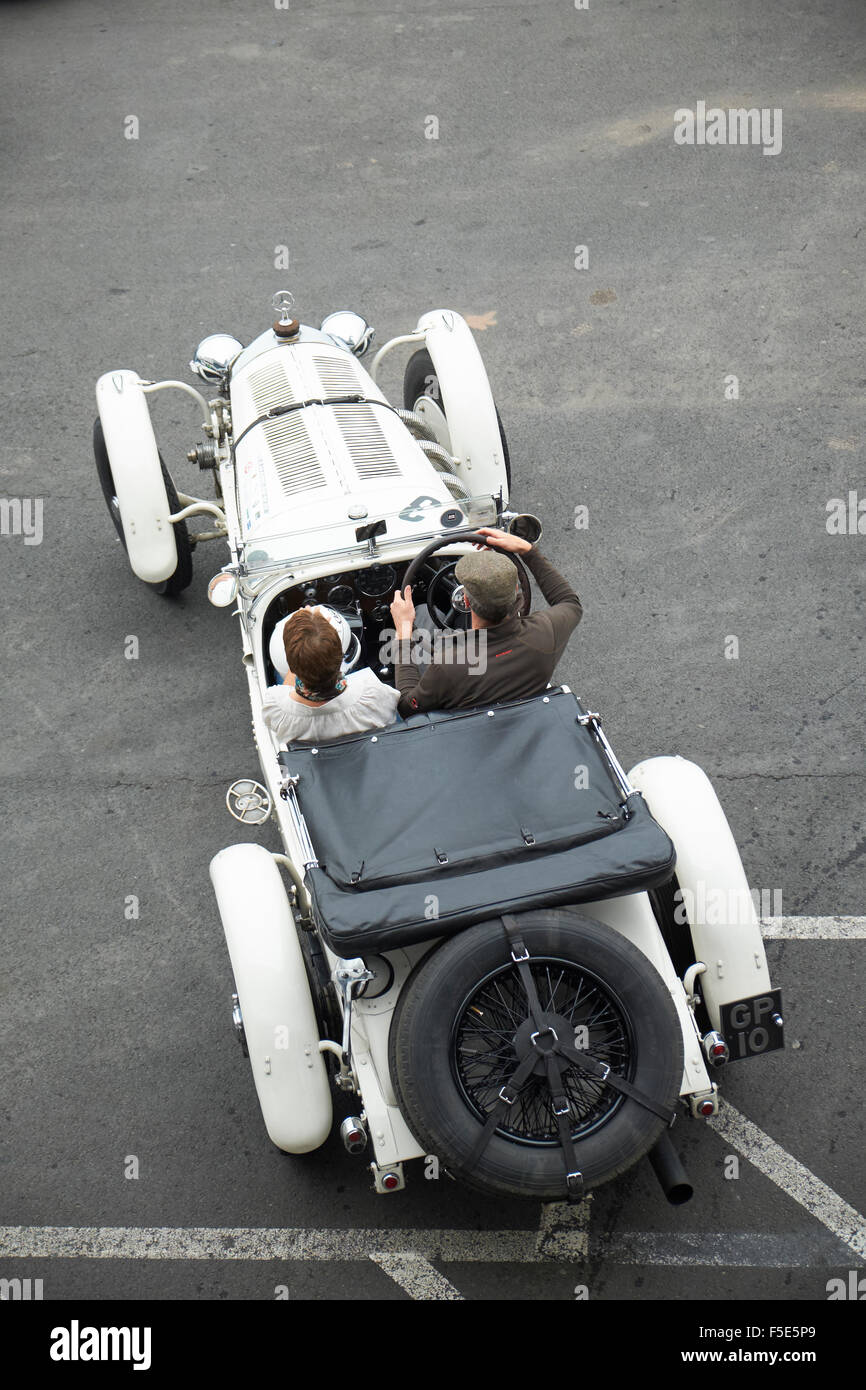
<point x="137" y="473"/>
<point x="467" y="401"/>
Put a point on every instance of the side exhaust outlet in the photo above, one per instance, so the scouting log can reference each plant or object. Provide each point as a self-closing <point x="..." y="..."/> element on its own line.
<point x="670" y="1172"/>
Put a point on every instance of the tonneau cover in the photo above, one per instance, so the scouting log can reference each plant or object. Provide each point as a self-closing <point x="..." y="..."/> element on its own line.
<point x="434" y="824"/>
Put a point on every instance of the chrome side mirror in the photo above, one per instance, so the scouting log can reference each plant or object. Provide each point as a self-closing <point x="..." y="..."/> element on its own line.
<point x="213" y="357"/>
<point x="349" y="330"/>
<point x="526" y="526"/>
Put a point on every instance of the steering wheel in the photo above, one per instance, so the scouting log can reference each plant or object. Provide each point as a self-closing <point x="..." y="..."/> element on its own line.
<point x="442" y="586"/>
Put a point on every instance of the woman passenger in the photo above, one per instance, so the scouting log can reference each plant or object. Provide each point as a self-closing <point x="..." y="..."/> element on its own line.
<point x="315" y="702"/>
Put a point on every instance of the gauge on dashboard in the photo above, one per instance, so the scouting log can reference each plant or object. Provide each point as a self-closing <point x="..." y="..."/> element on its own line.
<point x="341" y="596"/>
<point x="377" y="580"/>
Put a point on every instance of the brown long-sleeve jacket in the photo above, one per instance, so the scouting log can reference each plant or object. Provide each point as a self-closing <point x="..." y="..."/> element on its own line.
<point x="507" y="662"/>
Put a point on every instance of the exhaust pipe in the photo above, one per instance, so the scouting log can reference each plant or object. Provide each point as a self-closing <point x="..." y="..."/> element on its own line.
<point x="670" y="1172"/>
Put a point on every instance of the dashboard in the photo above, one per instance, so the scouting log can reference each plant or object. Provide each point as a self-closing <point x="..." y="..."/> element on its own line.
<point x="363" y="597"/>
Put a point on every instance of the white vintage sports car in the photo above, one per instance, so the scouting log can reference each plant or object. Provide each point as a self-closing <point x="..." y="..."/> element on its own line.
<point x="530" y="995"/>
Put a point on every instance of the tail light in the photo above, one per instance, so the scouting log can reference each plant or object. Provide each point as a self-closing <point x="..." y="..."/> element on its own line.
<point x="715" y="1049"/>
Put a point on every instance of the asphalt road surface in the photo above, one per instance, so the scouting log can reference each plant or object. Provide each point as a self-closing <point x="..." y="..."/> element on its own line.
<point x="257" y="129"/>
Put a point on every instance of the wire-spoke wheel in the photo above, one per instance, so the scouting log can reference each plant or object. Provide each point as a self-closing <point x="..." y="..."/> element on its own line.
<point x="462" y="1027"/>
<point x="491" y="1037"/>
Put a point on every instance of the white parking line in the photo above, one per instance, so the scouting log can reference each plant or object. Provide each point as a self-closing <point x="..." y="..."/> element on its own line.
<point x="813" y="928"/>
<point x="563" y="1235"/>
<point x="563" y="1231"/>
<point x="406" y="1256"/>
<point x="722" y="1250"/>
<point x="416" y="1275"/>
<point x="792" y="1177"/>
<point x="278" y="1243"/>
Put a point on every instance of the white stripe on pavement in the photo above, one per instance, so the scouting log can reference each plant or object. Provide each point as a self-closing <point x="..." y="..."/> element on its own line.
<point x="406" y="1255"/>
<point x="563" y="1241"/>
<point x="792" y="1177"/>
<point x="813" y="928"/>
<point x="276" y="1243"/>
<point x="562" y="1234"/>
<point x="416" y="1275"/>
<point x="563" y="1231"/>
<point x="722" y="1250"/>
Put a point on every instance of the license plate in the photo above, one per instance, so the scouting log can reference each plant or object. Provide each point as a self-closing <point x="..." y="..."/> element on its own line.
<point x="753" y="1026"/>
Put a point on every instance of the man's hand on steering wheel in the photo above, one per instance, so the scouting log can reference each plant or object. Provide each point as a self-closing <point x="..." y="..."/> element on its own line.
<point x="403" y="612"/>
<point x="483" y="537"/>
<point x="502" y="540"/>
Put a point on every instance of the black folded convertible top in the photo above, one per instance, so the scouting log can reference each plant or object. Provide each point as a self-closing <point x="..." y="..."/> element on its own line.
<point x="434" y="824"/>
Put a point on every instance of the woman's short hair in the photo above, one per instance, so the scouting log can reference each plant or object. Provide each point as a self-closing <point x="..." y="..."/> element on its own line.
<point x="313" y="649"/>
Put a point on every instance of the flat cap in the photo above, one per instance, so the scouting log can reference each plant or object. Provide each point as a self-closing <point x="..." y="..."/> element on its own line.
<point x="489" y="577"/>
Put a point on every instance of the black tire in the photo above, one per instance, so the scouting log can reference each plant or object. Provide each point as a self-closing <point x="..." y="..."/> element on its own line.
<point x="633" y="1026"/>
<point x="420" y="379"/>
<point x="329" y="1018"/>
<point x="669" y="912"/>
<point x="182" y="576"/>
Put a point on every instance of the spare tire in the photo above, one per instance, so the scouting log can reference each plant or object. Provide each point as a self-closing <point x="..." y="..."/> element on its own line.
<point x="452" y="1047"/>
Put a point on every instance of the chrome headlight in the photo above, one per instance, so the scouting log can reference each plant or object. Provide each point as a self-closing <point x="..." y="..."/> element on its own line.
<point x="349" y="330"/>
<point x="213" y="357"/>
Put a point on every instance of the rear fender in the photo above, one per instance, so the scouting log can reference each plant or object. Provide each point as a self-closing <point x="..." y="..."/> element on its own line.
<point x="716" y="900"/>
<point x="274" y="995"/>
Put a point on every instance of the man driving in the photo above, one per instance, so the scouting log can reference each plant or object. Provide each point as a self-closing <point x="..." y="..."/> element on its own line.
<point x="519" y="653"/>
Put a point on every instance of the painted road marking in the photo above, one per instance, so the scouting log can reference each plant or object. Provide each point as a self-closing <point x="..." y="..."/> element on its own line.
<point x="563" y="1231"/>
<point x="416" y="1275"/>
<point x="563" y="1234"/>
<point x="792" y="1177"/>
<point x="564" y="1241"/>
<point x="722" y="1250"/>
<point x="277" y="1243"/>
<point x="813" y="928"/>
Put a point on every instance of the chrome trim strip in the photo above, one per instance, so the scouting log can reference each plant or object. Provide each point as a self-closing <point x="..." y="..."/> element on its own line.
<point x="288" y="782"/>
<point x="593" y="720"/>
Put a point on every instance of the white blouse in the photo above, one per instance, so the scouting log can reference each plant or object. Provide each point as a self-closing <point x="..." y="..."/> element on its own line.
<point x="366" y="703"/>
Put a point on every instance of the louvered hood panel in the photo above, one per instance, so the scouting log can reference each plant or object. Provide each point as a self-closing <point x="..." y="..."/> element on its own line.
<point x="309" y="466"/>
